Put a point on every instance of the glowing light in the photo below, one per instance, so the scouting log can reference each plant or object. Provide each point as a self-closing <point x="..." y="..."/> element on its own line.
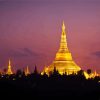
<point x="86" y="75"/>
<point x="94" y="74"/>
<point x="14" y="79"/>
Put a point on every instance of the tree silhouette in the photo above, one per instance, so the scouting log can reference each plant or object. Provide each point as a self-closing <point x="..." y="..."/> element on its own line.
<point x="19" y="73"/>
<point x="35" y="70"/>
<point x="89" y="71"/>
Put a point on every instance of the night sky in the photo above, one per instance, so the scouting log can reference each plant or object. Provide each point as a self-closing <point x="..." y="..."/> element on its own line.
<point x="30" y="32"/>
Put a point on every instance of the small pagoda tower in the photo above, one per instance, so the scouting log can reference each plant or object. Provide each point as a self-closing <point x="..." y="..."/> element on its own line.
<point x="9" y="70"/>
<point x="27" y="72"/>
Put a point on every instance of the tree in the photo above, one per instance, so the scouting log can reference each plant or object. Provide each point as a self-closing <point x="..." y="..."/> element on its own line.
<point x="80" y="73"/>
<point x="89" y="71"/>
<point x="55" y="71"/>
<point x="35" y="70"/>
<point x="19" y="73"/>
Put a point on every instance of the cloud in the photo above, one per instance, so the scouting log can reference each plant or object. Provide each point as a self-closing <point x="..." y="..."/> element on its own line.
<point x="29" y="52"/>
<point x="23" y="52"/>
<point x="97" y="54"/>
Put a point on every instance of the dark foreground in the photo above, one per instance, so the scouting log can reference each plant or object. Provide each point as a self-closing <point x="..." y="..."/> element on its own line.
<point x="36" y="86"/>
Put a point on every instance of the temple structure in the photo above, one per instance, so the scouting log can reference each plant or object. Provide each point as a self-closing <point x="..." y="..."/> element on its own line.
<point x="63" y="61"/>
<point x="9" y="70"/>
<point x="27" y="72"/>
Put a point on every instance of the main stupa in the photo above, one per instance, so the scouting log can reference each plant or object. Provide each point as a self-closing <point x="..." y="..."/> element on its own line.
<point x="63" y="61"/>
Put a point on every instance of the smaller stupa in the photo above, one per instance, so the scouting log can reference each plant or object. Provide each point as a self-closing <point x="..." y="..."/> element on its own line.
<point x="9" y="70"/>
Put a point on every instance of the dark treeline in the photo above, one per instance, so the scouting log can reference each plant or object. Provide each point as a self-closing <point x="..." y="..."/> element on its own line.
<point x="35" y="85"/>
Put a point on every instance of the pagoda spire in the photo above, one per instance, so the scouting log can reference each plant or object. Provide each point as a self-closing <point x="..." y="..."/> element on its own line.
<point x="63" y="27"/>
<point x="63" y="41"/>
<point x="9" y="71"/>
<point x="9" y="64"/>
<point x="27" y="72"/>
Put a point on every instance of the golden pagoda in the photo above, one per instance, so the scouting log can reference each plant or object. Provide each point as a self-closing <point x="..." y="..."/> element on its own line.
<point x="27" y="72"/>
<point x="9" y="70"/>
<point x="63" y="61"/>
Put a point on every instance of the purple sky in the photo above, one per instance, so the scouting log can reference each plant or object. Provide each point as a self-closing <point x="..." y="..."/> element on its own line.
<point x="30" y="32"/>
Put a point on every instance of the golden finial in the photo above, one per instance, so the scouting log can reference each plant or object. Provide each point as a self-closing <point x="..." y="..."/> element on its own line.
<point x="63" y="26"/>
<point x="9" y="63"/>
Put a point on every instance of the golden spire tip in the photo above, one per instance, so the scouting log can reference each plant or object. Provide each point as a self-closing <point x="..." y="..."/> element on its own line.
<point x="9" y="62"/>
<point x="63" y="26"/>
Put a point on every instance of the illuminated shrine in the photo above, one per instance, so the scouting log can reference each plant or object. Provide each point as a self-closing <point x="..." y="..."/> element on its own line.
<point x="27" y="72"/>
<point x="63" y="61"/>
<point x="9" y="70"/>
